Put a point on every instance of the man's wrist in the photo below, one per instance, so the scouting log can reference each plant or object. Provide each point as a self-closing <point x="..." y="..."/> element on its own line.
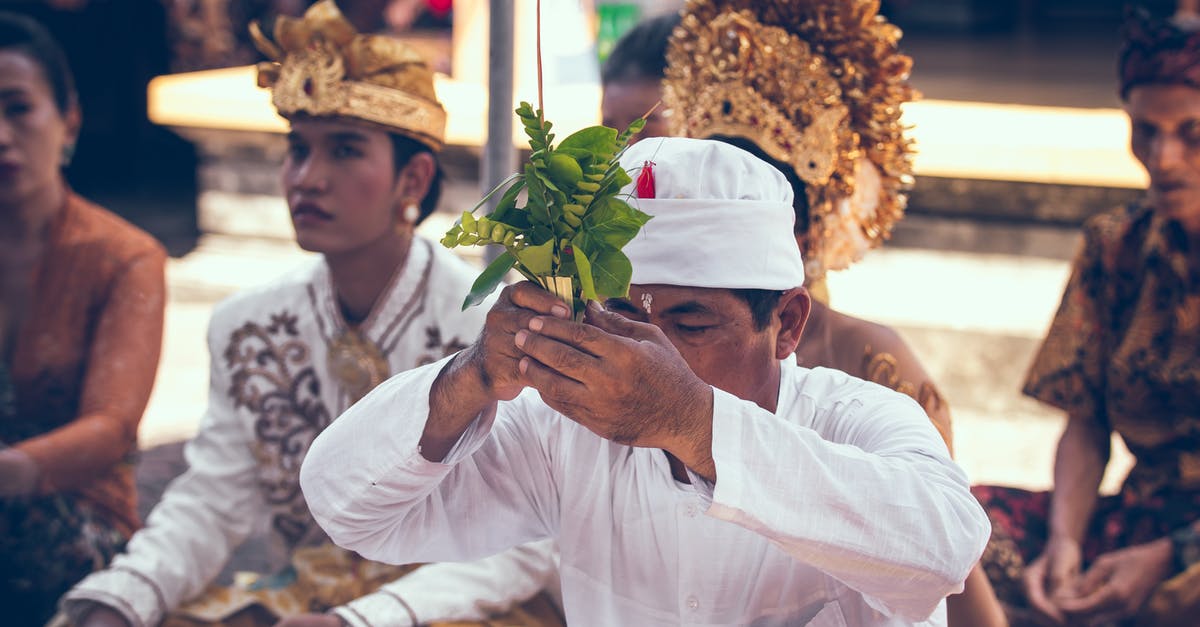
<point x="693" y="439"/>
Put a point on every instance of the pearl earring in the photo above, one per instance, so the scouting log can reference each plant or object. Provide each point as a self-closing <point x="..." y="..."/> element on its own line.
<point x="412" y="213"/>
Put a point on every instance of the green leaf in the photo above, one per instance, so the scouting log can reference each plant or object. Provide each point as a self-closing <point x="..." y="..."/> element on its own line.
<point x="505" y="208"/>
<point x="594" y="139"/>
<point x="611" y="271"/>
<point x="537" y="259"/>
<point x="614" y="221"/>
<point x="539" y="210"/>
<point x="518" y="177"/>
<point x="491" y="278"/>
<point x="586" y="285"/>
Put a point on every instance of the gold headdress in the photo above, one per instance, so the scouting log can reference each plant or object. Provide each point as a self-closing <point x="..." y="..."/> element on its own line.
<point x="320" y="65"/>
<point x="814" y="84"/>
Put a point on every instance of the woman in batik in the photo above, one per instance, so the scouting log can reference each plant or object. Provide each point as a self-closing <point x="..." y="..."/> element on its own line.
<point x="287" y="358"/>
<point x="761" y="76"/>
<point x="1122" y="356"/>
<point x="81" y="314"/>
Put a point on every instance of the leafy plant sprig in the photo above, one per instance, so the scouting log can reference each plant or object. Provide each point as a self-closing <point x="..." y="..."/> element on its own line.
<point x="573" y="222"/>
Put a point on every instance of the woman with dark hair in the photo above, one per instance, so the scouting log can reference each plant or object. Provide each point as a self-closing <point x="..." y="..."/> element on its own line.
<point x="815" y="89"/>
<point x="1121" y="356"/>
<point x="81" y="313"/>
<point x="361" y="172"/>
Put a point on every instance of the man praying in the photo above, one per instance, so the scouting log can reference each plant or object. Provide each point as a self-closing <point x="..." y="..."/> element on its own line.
<point x="690" y="471"/>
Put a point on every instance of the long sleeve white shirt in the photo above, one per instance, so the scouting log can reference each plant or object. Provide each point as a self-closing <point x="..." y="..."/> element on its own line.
<point x="841" y="508"/>
<point x="271" y="392"/>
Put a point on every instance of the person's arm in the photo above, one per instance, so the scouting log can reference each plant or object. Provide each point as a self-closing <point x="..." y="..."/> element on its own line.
<point x="203" y="516"/>
<point x="878" y="505"/>
<point x="1079" y="463"/>
<point x="118" y="377"/>
<point x="452" y="591"/>
<point x="415" y="471"/>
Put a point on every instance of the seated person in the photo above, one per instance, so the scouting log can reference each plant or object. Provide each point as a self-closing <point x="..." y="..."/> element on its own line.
<point x="1122" y="357"/>
<point x="846" y="155"/>
<point x="288" y="357"/>
<point x="690" y="471"/>
<point x="81" y="316"/>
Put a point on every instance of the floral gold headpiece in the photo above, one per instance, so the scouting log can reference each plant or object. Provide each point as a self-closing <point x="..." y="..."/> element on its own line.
<point x="320" y="65"/>
<point x="816" y="85"/>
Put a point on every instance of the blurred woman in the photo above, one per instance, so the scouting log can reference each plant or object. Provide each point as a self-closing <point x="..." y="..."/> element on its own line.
<point x="1123" y="356"/>
<point x="361" y="173"/>
<point x="815" y="89"/>
<point x="81" y="315"/>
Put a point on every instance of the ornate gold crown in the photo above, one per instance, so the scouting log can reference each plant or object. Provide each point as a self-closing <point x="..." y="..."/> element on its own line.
<point x="320" y="65"/>
<point x="814" y="84"/>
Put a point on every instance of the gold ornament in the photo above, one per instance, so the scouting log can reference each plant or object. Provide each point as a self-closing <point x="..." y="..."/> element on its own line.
<point x="816" y="85"/>
<point x="356" y="364"/>
<point x="321" y="66"/>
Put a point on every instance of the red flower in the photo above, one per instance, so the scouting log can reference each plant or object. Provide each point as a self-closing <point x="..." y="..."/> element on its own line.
<point x="645" y="181"/>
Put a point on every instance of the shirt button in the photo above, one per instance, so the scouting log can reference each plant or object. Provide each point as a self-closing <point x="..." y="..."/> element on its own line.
<point x="691" y="510"/>
<point x="693" y="603"/>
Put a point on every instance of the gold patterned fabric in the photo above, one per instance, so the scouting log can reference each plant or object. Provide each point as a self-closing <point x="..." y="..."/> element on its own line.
<point x="1124" y="348"/>
<point x="319" y="579"/>
<point x="320" y="65"/>
<point x="883" y="368"/>
<point x="815" y="85"/>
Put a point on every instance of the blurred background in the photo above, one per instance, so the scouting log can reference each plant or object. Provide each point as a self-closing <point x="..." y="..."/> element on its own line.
<point x="1019" y="132"/>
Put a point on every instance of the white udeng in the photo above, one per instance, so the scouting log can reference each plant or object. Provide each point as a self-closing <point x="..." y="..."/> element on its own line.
<point x="842" y="508"/>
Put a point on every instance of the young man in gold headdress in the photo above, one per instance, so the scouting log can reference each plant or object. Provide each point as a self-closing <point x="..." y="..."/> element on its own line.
<point x="287" y="358"/>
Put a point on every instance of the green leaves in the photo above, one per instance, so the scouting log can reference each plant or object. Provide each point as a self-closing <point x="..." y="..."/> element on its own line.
<point x="614" y="221"/>
<point x="489" y="279"/>
<point x="572" y="223"/>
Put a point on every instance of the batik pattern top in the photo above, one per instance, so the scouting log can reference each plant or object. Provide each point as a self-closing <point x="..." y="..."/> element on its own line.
<point x="1124" y="349"/>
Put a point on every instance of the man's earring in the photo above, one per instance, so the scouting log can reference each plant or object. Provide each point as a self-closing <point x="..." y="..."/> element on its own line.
<point x="412" y="213"/>
<point x="68" y="153"/>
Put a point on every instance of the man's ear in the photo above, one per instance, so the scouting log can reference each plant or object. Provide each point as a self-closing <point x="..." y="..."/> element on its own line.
<point x="414" y="179"/>
<point x="791" y="313"/>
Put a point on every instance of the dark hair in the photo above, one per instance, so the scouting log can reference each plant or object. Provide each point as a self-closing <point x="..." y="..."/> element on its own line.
<point x="25" y="35"/>
<point x="403" y="150"/>
<point x="641" y="53"/>
<point x="799" y="193"/>
<point x="762" y="304"/>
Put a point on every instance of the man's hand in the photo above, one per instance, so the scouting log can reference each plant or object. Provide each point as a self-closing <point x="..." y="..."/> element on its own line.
<point x="1053" y="576"/>
<point x="311" y="620"/>
<point x="487" y="371"/>
<point x="623" y="380"/>
<point x="103" y="616"/>
<point x="1118" y="583"/>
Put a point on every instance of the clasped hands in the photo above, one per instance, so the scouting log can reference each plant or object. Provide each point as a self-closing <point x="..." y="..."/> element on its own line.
<point x="621" y="379"/>
<point x="1114" y="588"/>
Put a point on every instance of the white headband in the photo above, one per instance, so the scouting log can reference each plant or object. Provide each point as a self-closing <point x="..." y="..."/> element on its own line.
<point x="722" y="218"/>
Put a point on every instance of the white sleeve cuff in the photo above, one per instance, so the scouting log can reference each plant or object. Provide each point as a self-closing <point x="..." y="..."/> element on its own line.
<point x="128" y="592"/>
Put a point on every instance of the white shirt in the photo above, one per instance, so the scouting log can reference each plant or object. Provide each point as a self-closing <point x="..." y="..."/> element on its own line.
<point x="842" y="508"/>
<point x="271" y="393"/>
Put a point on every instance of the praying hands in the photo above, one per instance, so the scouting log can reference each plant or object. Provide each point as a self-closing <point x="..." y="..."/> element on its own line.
<point x="619" y="378"/>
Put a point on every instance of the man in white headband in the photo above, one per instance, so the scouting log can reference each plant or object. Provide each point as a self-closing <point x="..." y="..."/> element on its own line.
<point x="691" y="472"/>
